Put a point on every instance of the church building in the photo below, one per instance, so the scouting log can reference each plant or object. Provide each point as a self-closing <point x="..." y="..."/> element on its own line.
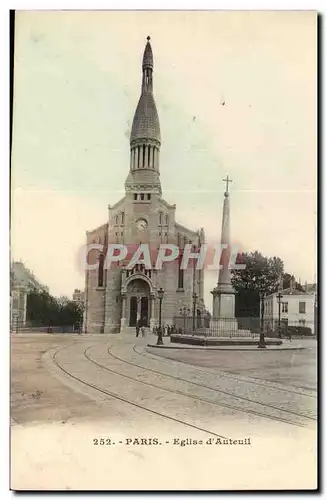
<point x="115" y="298"/>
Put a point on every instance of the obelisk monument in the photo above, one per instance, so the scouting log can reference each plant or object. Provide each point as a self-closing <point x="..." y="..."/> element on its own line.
<point x="223" y="308"/>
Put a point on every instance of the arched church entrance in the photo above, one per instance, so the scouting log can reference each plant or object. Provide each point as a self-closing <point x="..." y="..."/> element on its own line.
<point x="138" y="302"/>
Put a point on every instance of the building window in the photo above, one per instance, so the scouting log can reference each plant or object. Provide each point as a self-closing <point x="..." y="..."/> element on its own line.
<point x="160" y="219"/>
<point x="122" y="218"/>
<point x="180" y="273"/>
<point x="142" y="196"/>
<point x="149" y="196"/>
<point x="285" y="307"/>
<point x="116" y="220"/>
<point x="166" y="220"/>
<point x="302" y="307"/>
<point x="135" y="196"/>
<point x="100" y="274"/>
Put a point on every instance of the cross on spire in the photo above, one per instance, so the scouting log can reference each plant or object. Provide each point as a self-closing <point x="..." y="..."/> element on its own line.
<point x="227" y="180"/>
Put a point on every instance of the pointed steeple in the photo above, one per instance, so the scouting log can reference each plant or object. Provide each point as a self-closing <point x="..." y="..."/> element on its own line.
<point x="145" y="140"/>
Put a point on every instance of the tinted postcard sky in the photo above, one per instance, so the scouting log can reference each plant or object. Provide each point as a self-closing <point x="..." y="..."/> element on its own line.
<point x="236" y="94"/>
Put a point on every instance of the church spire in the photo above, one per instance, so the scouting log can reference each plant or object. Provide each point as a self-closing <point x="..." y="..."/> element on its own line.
<point x="147" y="68"/>
<point x="145" y="140"/>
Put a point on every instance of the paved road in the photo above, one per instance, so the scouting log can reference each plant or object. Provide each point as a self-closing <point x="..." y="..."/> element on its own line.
<point x="297" y="368"/>
<point x="118" y="384"/>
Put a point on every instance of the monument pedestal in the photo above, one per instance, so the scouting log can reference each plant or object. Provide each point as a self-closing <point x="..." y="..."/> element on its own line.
<point x="223" y="322"/>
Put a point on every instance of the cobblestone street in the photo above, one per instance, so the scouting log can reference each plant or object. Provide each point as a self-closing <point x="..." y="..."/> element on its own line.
<point x="116" y="387"/>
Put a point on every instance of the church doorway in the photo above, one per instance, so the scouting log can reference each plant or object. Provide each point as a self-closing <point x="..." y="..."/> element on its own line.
<point x="145" y="310"/>
<point x="138" y="302"/>
<point x="133" y="311"/>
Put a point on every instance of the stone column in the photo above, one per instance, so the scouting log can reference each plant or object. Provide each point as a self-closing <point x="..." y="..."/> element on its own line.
<point x="123" y="313"/>
<point x="157" y="158"/>
<point x="154" y="157"/>
<point x="151" y="156"/>
<point x="152" y="317"/>
<point x="146" y="163"/>
<point x="136" y="164"/>
<point x="138" y="308"/>
<point x="133" y="159"/>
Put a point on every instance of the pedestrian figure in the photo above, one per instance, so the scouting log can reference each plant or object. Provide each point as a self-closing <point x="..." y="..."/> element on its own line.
<point x="143" y="327"/>
<point x="138" y="326"/>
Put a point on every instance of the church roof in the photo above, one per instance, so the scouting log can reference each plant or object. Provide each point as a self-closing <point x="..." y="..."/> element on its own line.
<point x="146" y="120"/>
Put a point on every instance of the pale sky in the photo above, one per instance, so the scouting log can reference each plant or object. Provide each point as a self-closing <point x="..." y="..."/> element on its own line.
<point x="77" y="83"/>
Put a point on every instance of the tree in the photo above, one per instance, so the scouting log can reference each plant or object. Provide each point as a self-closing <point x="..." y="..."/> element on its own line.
<point x="261" y="274"/>
<point x="42" y="308"/>
<point x="287" y="279"/>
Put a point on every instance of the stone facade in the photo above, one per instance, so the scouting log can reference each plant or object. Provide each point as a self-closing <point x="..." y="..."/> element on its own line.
<point x="115" y="298"/>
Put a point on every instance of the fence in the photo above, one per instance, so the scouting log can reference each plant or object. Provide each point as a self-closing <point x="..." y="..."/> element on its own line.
<point x="239" y="327"/>
<point x="21" y="327"/>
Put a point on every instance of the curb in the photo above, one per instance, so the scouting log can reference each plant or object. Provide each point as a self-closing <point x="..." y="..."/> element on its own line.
<point x="222" y="348"/>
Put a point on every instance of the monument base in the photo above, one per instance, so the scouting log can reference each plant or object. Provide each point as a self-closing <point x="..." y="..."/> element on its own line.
<point x="220" y="341"/>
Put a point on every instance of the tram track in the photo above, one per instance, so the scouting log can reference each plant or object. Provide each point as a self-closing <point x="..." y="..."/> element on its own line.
<point x="255" y="381"/>
<point x="201" y="399"/>
<point x="243" y="398"/>
<point x="121" y="398"/>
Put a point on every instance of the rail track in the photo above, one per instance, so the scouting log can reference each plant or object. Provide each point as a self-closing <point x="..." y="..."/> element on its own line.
<point x="204" y="400"/>
<point x="125" y="400"/>
<point x="256" y="381"/>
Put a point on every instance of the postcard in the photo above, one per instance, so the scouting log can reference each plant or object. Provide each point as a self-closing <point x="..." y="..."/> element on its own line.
<point x="164" y="297"/>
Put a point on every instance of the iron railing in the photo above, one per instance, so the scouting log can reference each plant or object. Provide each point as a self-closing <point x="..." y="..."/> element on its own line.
<point x="240" y="327"/>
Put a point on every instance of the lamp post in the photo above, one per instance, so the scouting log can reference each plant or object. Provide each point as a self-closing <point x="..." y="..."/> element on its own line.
<point x="184" y="312"/>
<point x="194" y="297"/>
<point x="262" y="343"/>
<point x="279" y="300"/>
<point x="160" y="297"/>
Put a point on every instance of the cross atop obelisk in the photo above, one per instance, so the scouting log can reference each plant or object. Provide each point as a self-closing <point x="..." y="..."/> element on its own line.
<point x="227" y="180"/>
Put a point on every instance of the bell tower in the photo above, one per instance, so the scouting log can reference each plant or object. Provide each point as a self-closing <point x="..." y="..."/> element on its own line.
<point x="145" y="140"/>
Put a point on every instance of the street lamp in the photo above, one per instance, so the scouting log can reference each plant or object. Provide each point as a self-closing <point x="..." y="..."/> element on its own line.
<point x="279" y="300"/>
<point x="184" y="312"/>
<point x="262" y="343"/>
<point x="160" y="297"/>
<point x="194" y="297"/>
